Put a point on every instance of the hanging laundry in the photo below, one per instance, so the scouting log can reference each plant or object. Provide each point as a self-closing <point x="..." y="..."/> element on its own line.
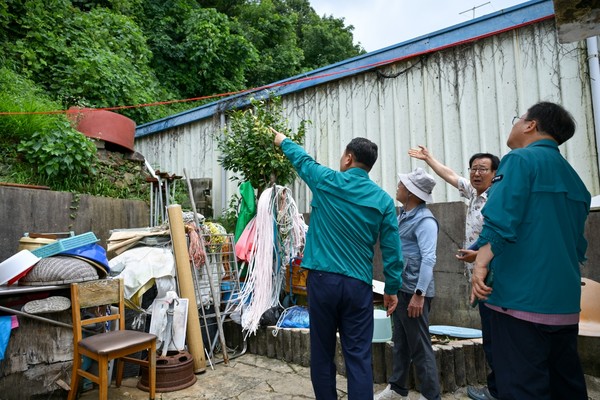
<point x="247" y="209"/>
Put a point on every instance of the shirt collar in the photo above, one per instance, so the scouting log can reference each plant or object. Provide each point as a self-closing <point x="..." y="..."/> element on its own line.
<point x="544" y="142"/>
<point x="357" y="171"/>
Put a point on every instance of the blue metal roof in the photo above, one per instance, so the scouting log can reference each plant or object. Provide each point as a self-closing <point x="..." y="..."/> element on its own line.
<point x="487" y="25"/>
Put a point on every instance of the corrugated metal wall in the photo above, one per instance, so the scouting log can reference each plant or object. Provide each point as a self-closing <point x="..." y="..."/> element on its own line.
<point x="457" y="102"/>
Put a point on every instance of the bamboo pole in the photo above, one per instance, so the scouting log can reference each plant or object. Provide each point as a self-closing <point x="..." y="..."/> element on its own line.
<point x="186" y="286"/>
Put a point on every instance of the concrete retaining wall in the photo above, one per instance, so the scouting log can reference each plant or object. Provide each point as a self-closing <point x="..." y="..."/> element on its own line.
<point x="34" y="210"/>
<point x="460" y="362"/>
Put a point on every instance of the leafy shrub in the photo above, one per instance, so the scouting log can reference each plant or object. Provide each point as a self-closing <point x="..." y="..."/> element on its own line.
<point x="247" y="147"/>
<point x="60" y="152"/>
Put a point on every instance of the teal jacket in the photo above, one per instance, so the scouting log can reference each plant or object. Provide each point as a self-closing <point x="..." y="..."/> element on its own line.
<point x="349" y="212"/>
<point x="534" y="220"/>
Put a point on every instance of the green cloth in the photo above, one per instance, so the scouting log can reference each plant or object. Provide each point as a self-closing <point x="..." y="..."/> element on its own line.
<point x="534" y="220"/>
<point x="349" y="213"/>
<point x="247" y="208"/>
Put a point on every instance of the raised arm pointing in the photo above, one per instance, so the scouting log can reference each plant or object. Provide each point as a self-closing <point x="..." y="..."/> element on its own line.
<point x="440" y="169"/>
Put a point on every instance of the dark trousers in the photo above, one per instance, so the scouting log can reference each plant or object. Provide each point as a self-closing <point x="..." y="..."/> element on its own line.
<point x="412" y="343"/>
<point x="339" y="303"/>
<point x="535" y="361"/>
<point x="485" y="313"/>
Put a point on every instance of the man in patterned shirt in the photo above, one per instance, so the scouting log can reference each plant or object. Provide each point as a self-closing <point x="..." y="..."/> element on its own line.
<point x="482" y="168"/>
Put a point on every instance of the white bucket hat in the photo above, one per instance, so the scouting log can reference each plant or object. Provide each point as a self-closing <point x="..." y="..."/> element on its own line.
<point x="419" y="183"/>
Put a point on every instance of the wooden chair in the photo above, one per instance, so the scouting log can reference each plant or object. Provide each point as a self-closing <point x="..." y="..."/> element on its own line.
<point x="106" y="346"/>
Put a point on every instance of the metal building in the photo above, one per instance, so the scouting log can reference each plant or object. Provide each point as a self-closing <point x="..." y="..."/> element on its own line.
<point x="455" y="91"/>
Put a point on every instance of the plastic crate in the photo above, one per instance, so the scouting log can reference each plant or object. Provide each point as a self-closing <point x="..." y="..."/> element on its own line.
<point x="65" y="244"/>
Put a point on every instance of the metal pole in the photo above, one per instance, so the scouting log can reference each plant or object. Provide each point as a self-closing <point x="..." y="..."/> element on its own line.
<point x="216" y="301"/>
<point x="32" y="316"/>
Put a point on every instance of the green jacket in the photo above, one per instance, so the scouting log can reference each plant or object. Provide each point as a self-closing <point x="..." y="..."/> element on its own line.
<point x="534" y="220"/>
<point x="349" y="212"/>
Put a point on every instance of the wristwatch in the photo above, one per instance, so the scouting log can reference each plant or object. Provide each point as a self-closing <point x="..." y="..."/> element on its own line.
<point x="419" y="292"/>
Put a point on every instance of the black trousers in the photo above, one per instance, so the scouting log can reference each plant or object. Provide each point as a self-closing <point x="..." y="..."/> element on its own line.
<point x="486" y="330"/>
<point x="534" y="361"/>
<point x="339" y="303"/>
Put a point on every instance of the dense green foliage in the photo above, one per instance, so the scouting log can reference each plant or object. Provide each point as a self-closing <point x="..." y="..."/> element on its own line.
<point x="247" y="145"/>
<point x="109" y="53"/>
<point x="43" y="149"/>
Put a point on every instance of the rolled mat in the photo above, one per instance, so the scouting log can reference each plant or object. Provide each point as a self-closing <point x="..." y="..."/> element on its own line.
<point x="186" y="286"/>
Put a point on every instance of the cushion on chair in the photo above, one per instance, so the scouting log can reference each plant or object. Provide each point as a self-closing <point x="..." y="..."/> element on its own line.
<point x="104" y="343"/>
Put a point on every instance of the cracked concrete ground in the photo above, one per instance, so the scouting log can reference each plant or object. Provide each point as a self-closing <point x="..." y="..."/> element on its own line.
<point x="252" y="377"/>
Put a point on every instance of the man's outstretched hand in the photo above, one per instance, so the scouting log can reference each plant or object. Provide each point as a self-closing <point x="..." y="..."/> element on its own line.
<point x="278" y="138"/>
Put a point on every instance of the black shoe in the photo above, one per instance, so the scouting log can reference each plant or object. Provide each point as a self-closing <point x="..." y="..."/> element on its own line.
<point x="479" y="393"/>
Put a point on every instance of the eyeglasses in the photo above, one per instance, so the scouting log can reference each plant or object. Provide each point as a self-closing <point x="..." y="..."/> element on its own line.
<point x="515" y="119"/>
<point x="480" y="170"/>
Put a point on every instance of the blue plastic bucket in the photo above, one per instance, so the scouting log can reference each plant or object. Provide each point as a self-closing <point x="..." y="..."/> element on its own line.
<point x="382" y="327"/>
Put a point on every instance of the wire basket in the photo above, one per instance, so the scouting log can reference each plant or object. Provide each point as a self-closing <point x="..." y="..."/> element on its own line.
<point x="65" y="244"/>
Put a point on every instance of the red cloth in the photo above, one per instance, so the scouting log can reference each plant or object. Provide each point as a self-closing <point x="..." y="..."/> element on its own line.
<point x="243" y="247"/>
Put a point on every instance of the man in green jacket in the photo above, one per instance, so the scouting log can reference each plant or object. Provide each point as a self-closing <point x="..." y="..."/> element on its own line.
<point x="532" y="242"/>
<point x="349" y="213"/>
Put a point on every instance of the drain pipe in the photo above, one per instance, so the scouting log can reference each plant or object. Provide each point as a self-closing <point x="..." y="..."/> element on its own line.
<point x="594" y="67"/>
<point x="224" y="172"/>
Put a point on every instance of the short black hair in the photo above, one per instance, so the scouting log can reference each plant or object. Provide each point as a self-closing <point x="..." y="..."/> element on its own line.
<point x="364" y="151"/>
<point x="552" y="119"/>
<point x="494" y="159"/>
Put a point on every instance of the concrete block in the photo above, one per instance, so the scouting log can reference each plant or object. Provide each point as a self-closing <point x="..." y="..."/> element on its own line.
<point x="438" y="363"/>
<point x="296" y="339"/>
<point x="460" y="375"/>
<point x="389" y="359"/>
<point x="286" y="341"/>
<point x="470" y="366"/>
<point x="261" y="335"/>
<point x="271" y="342"/>
<point x="378" y="361"/>
<point x="279" y="348"/>
<point x="252" y="344"/>
<point x="340" y="364"/>
<point x="447" y="381"/>
<point x="305" y="340"/>
<point x="480" y="363"/>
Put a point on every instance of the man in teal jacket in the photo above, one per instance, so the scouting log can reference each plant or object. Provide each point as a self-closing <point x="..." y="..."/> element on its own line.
<point x="532" y="241"/>
<point x="349" y="213"/>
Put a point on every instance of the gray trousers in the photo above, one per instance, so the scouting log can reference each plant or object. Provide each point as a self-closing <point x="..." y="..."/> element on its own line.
<point x="412" y="342"/>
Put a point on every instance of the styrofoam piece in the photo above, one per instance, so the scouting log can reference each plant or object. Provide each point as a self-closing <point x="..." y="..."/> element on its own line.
<point x="16" y="266"/>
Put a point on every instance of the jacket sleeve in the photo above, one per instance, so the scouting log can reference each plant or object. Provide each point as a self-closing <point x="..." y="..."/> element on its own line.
<point x="507" y="203"/>
<point x="391" y="251"/>
<point x="307" y="168"/>
<point x="427" y="235"/>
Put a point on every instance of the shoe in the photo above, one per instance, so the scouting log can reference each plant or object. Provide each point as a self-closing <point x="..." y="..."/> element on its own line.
<point x="389" y="394"/>
<point x="479" y="393"/>
<point x="49" y="304"/>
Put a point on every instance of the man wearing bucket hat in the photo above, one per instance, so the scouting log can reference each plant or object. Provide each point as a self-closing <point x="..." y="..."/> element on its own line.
<point x="349" y="214"/>
<point x="482" y="169"/>
<point x="418" y="230"/>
